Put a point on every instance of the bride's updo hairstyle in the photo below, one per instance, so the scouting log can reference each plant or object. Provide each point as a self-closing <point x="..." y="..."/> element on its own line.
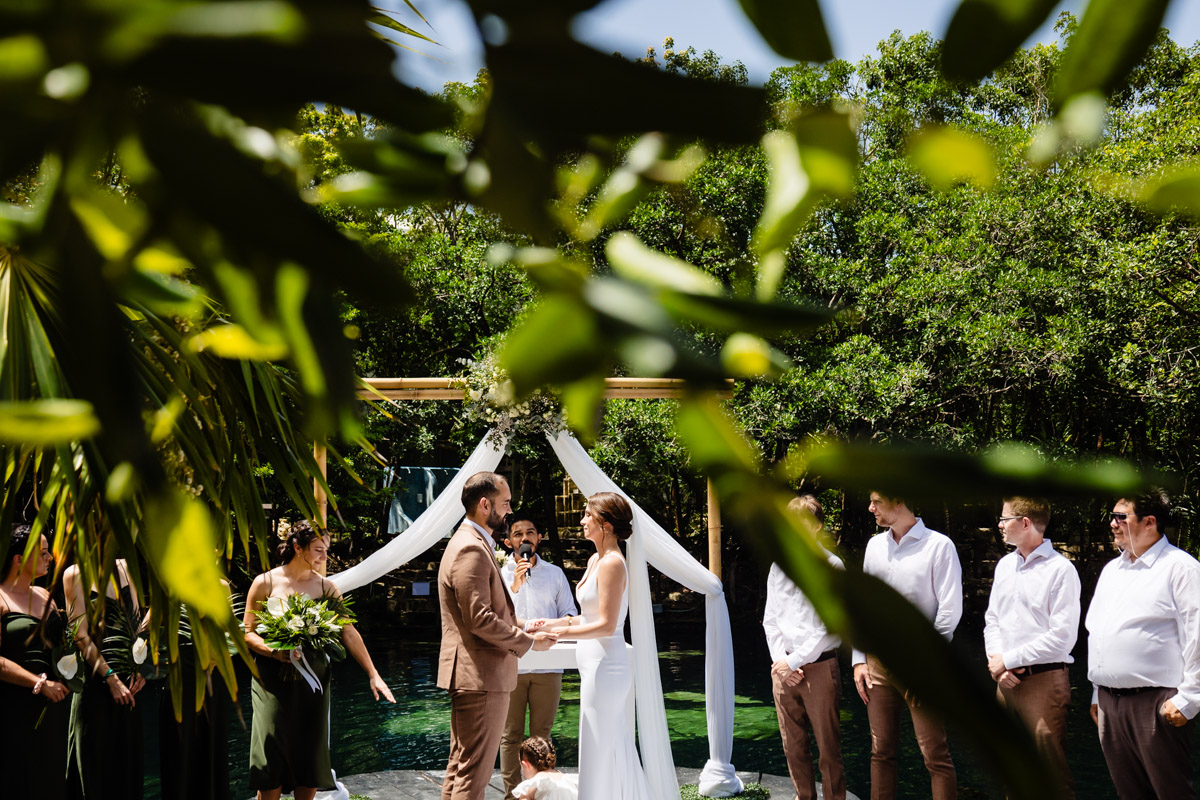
<point x="615" y="510"/>
<point x="539" y="753"/>
<point x="302" y="535"/>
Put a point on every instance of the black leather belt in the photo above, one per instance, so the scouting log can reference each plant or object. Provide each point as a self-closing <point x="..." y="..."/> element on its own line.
<point x="828" y="654"/>
<point x="1034" y="669"/>
<point x="1128" y="692"/>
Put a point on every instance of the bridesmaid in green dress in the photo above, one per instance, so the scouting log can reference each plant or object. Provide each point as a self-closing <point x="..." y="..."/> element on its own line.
<point x="105" y="752"/>
<point x="289" y="738"/>
<point x="33" y="731"/>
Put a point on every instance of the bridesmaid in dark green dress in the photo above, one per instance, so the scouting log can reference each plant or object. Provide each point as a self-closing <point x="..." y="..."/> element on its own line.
<point x="33" y="730"/>
<point x="105" y="754"/>
<point x="289" y="739"/>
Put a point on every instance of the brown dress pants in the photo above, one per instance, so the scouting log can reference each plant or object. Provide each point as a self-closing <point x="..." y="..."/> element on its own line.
<point x="1148" y="757"/>
<point x="815" y="700"/>
<point x="476" y="722"/>
<point x="1041" y="702"/>
<point x="883" y="711"/>
<point x="540" y="693"/>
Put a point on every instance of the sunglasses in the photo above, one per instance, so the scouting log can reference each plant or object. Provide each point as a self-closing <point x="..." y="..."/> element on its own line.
<point x="1117" y="516"/>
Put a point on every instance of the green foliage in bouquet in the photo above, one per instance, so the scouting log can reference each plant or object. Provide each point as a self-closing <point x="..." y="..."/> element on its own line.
<point x="124" y="644"/>
<point x="236" y="605"/>
<point x="298" y="621"/>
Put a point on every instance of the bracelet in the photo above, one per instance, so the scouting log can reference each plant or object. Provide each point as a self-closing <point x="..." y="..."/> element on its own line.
<point x="111" y="671"/>
<point x="41" y="681"/>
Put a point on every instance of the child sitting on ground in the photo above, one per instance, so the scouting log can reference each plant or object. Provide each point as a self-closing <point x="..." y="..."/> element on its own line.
<point x="542" y="780"/>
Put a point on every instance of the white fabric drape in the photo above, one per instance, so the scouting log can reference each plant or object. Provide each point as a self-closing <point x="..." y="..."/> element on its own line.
<point x="428" y="529"/>
<point x="650" y="543"/>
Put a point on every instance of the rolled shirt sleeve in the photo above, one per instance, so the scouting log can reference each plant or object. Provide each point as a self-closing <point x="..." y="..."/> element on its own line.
<point x="564" y="600"/>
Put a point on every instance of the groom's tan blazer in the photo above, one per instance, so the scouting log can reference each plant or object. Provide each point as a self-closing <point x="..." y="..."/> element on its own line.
<point x="480" y="638"/>
<point x="478" y="661"/>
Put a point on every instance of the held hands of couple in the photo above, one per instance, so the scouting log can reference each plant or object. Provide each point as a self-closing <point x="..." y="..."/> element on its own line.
<point x="543" y="640"/>
<point x="545" y="632"/>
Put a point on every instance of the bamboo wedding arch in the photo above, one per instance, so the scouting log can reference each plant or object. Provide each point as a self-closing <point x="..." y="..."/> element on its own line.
<point x="406" y="389"/>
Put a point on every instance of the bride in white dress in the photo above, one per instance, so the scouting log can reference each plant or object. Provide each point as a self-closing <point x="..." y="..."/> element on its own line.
<point x="609" y="767"/>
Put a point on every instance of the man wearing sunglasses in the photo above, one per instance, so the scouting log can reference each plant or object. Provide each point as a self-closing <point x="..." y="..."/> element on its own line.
<point x="1144" y="653"/>
<point x="1031" y="625"/>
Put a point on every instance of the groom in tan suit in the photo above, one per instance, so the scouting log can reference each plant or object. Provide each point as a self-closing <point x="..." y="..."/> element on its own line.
<point x="481" y="638"/>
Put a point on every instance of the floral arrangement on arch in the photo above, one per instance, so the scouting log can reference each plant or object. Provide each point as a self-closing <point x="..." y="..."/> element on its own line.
<point x="489" y="397"/>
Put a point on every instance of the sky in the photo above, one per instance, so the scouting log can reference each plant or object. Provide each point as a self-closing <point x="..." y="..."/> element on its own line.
<point x="630" y="26"/>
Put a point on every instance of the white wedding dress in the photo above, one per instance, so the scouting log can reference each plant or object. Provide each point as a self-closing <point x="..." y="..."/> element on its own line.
<point x="609" y="766"/>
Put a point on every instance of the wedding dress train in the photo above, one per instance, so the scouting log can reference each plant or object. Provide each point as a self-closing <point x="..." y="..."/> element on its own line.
<point x="609" y="766"/>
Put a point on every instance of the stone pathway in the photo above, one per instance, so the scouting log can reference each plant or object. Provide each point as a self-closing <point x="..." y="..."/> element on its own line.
<point x="421" y="785"/>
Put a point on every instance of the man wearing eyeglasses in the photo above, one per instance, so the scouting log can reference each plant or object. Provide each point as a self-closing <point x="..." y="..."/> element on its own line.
<point x="1030" y="628"/>
<point x="1144" y="654"/>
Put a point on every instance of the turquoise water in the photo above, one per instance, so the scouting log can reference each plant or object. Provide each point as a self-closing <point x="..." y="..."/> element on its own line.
<point x="414" y="734"/>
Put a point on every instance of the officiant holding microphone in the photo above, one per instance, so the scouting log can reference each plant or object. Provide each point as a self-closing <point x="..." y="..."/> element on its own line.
<point x="540" y="591"/>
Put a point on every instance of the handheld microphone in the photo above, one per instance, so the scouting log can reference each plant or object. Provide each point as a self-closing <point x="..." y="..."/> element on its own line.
<point x="526" y="551"/>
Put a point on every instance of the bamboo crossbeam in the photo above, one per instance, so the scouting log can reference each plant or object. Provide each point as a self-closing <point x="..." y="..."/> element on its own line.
<point x="401" y="389"/>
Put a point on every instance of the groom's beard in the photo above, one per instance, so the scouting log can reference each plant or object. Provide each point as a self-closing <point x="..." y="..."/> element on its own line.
<point x="498" y="524"/>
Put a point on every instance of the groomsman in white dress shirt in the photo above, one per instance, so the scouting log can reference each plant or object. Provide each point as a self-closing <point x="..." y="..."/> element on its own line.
<point x="540" y="591"/>
<point x="1031" y="625"/>
<point x="805" y="677"/>
<point x="1144" y="654"/>
<point x="922" y="565"/>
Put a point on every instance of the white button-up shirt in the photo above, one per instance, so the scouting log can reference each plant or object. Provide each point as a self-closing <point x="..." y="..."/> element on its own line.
<point x="545" y="594"/>
<point x="795" y="632"/>
<point x="924" y="568"/>
<point x="1144" y="625"/>
<point x="1033" y="612"/>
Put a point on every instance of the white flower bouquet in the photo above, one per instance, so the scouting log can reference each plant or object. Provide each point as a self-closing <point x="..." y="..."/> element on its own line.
<point x="298" y="621"/>
<point x="502" y="556"/>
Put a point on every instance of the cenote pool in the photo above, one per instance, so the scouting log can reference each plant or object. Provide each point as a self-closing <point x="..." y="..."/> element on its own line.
<point x="414" y="734"/>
